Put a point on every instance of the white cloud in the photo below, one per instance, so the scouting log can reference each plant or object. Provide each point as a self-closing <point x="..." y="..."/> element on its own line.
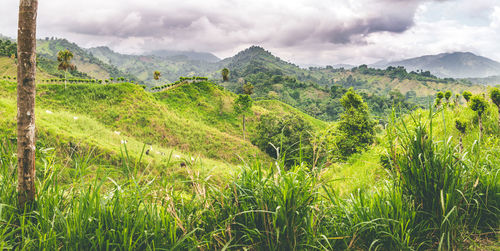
<point x="302" y="31"/>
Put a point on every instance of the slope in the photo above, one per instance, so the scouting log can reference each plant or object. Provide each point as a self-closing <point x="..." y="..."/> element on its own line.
<point x="456" y="65"/>
<point x="84" y="61"/>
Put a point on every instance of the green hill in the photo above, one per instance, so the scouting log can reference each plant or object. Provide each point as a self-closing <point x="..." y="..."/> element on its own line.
<point x="84" y="61"/>
<point x="192" y="120"/>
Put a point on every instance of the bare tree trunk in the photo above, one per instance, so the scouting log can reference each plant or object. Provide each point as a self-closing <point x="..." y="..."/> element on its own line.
<point x="480" y="127"/>
<point x="461" y="144"/>
<point x="26" y="70"/>
<point x="243" y="126"/>
<point x="65" y="79"/>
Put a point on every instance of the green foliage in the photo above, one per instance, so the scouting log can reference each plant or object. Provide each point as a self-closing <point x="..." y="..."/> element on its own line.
<point x="8" y="48"/>
<point x="288" y="137"/>
<point x="478" y="104"/>
<point x="248" y="88"/>
<point x="467" y="95"/>
<point x="461" y="126"/>
<point x="156" y="75"/>
<point x="355" y="131"/>
<point x="447" y="96"/>
<point x="243" y="104"/>
<point x="495" y="96"/>
<point x="225" y="74"/>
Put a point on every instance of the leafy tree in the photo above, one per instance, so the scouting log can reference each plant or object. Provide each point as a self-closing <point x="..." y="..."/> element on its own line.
<point x="495" y="98"/>
<point x="479" y="105"/>
<point x="461" y="127"/>
<point x="439" y="98"/>
<point x="26" y="93"/>
<point x="64" y="58"/>
<point x="356" y="129"/>
<point x="243" y="105"/>
<point x="457" y="100"/>
<point x="225" y="74"/>
<point x="447" y="96"/>
<point x="157" y="75"/>
<point x="248" y="88"/>
<point x="467" y="95"/>
<point x="289" y="133"/>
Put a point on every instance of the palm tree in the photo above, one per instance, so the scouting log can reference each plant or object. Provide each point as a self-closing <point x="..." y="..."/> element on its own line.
<point x="64" y="58"/>
<point x="26" y="92"/>
<point x="225" y="74"/>
<point x="157" y="75"/>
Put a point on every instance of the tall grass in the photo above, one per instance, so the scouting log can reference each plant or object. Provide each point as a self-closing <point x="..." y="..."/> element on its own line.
<point x="438" y="197"/>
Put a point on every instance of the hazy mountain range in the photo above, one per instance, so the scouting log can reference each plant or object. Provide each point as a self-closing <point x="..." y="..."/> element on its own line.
<point x="450" y="65"/>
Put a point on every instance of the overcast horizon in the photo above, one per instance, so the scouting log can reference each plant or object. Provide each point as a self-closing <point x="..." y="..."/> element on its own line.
<point x="305" y="33"/>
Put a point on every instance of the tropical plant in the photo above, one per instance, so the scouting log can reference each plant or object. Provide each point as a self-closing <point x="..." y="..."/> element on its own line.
<point x="447" y="96"/>
<point x="225" y="74"/>
<point x="64" y="58"/>
<point x="479" y="105"/>
<point x="467" y="95"/>
<point x="439" y="98"/>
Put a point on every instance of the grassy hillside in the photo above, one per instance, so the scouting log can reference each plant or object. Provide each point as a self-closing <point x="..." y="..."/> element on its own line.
<point x="84" y="61"/>
<point x="196" y="118"/>
<point x="8" y="68"/>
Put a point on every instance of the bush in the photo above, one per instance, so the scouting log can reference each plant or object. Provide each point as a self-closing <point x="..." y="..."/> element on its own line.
<point x="288" y="137"/>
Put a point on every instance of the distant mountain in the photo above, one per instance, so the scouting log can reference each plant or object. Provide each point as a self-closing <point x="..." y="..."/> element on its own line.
<point x="189" y="55"/>
<point x="455" y="65"/>
<point x="143" y="66"/>
<point x="256" y="59"/>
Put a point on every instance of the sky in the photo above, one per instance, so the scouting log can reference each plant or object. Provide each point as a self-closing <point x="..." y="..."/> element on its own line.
<point x="306" y="32"/>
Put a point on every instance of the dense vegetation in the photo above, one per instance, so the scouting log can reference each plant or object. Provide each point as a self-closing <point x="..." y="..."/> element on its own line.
<point x="435" y="196"/>
<point x="194" y="166"/>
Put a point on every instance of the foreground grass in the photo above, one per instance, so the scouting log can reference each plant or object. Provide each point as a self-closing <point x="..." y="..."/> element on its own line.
<point x="436" y="198"/>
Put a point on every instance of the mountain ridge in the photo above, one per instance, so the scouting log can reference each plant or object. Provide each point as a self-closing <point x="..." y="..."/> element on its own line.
<point x="450" y="64"/>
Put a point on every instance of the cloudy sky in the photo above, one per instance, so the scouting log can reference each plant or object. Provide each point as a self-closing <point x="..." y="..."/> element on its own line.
<point x="302" y="31"/>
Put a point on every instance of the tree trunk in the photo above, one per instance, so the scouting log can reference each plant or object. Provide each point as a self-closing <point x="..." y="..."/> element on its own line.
<point x="461" y="144"/>
<point x="26" y="69"/>
<point x="243" y="126"/>
<point x="65" y="79"/>
<point x="480" y="126"/>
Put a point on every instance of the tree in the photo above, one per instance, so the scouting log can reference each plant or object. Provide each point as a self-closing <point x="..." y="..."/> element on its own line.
<point x="356" y="129"/>
<point x="457" y="100"/>
<point x="479" y="105"/>
<point x="447" y="96"/>
<point x="64" y="58"/>
<point x="439" y="97"/>
<point x="461" y="127"/>
<point x="225" y="74"/>
<point x="495" y="97"/>
<point x="156" y="75"/>
<point x="243" y="105"/>
<point x="291" y="134"/>
<point x="26" y="92"/>
<point x="467" y="95"/>
<point x="248" y="88"/>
